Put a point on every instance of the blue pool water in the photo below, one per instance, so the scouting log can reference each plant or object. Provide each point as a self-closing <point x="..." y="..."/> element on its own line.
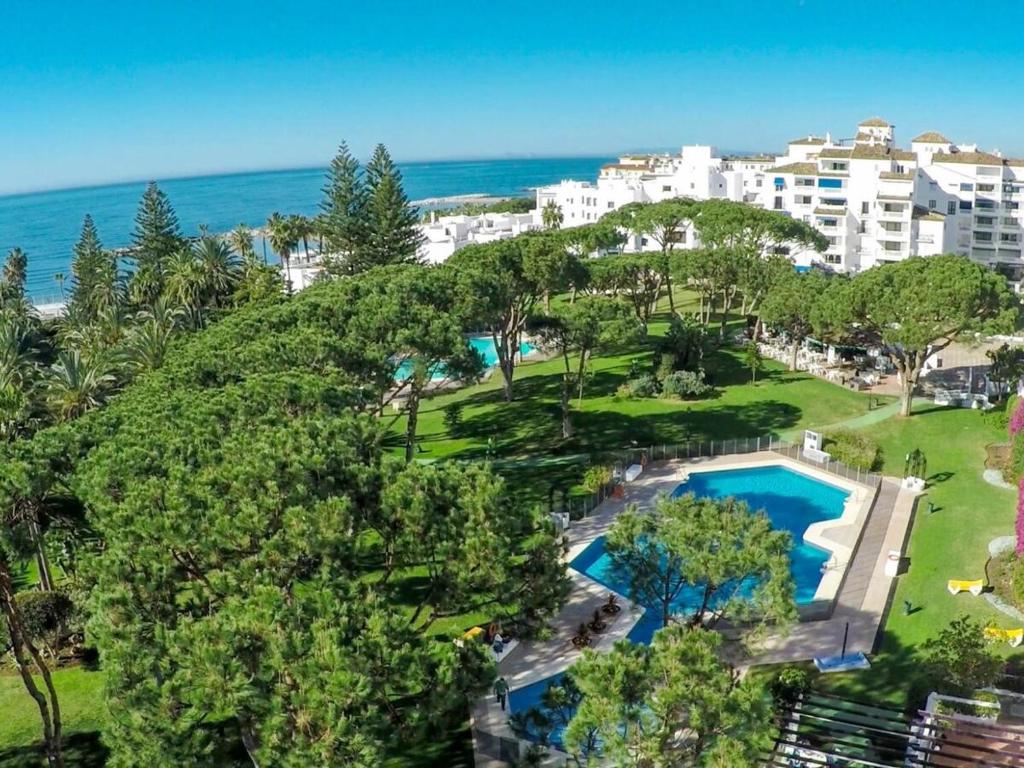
<point x="484" y="345"/>
<point x="792" y="502"/>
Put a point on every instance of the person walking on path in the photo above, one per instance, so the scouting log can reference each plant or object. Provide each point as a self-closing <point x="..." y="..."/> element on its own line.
<point x="501" y="691"/>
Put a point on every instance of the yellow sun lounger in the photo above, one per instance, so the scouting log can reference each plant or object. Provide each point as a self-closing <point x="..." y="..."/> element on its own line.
<point x="1013" y="636"/>
<point x="955" y="586"/>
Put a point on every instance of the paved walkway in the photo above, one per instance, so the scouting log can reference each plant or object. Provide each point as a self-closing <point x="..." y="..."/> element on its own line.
<point x="864" y="595"/>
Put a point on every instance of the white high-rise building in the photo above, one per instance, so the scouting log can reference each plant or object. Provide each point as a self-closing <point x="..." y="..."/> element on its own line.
<point x="875" y="202"/>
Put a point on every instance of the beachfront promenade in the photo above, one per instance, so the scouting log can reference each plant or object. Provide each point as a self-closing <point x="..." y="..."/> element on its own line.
<point x="876" y="523"/>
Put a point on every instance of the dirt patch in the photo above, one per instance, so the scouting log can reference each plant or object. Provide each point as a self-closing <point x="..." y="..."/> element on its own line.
<point x="997" y="456"/>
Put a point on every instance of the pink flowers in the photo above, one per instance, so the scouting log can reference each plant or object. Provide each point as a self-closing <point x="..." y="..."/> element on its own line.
<point x="1020" y="518"/>
<point x="1017" y="419"/>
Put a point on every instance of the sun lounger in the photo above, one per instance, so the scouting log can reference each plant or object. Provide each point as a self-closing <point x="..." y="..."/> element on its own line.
<point x="1012" y="636"/>
<point x="826" y="664"/>
<point x="956" y="586"/>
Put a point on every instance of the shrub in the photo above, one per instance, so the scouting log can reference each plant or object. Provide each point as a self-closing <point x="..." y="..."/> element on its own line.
<point x="46" y="616"/>
<point x="596" y="478"/>
<point x="1016" y="423"/>
<point x="960" y="659"/>
<point x="1017" y="578"/>
<point x="664" y="368"/>
<point x="790" y="682"/>
<point x="1015" y="470"/>
<point x="685" y="384"/>
<point x="855" y="449"/>
<point x="642" y="386"/>
<point x="1019" y="527"/>
<point x="453" y="416"/>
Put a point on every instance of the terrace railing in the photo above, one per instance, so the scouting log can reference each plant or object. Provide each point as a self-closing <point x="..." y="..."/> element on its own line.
<point x="582" y="506"/>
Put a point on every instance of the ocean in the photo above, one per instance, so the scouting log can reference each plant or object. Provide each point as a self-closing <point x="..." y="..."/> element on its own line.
<point x="46" y="224"/>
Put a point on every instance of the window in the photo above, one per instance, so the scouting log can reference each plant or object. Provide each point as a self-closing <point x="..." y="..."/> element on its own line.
<point x="830" y="183"/>
<point x="983" y="237"/>
<point x="804" y="199"/>
<point x="965" y="187"/>
<point x="610" y="205"/>
<point x="804" y="182"/>
<point x="933" y="185"/>
<point x="758" y="182"/>
<point x="863" y="228"/>
<point x="778" y="203"/>
<point x="692" y="185"/>
<point x="986" y="187"/>
<point x="643" y="241"/>
<point x="986" y="205"/>
<point x="965" y="205"/>
<point x="889" y="245"/>
<point x="865" y="207"/>
<point x="951" y="207"/>
<point x="931" y="205"/>
<point x="666" y="188"/>
<point x="986" y="221"/>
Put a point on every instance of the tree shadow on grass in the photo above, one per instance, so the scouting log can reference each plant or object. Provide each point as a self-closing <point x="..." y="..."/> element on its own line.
<point x="81" y="750"/>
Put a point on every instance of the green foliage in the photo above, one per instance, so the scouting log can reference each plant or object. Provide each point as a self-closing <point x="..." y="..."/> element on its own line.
<point x="1017" y="580"/>
<point x="511" y="205"/>
<point x="635" y="697"/>
<point x="1015" y="471"/>
<point x="596" y="477"/>
<point x="1006" y="364"/>
<point x="47" y="617"/>
<point x="155" y="239"/>
<point x="642" y="386"/>
<point x="685" y="385"/>
<point x="453" y="415"/>
<point x="95" y="286"/>
<point x="752" y="359"/>
<point x="917" y="307"/>
<point x="392" y="235"/>
<point x="854" y="448"/>
<point x="708" y="545"/>
<point x="788" y="684"/>
<point x="684" y="344"/>
<point x="959" y="658"/>
<point x="343" y="212"/>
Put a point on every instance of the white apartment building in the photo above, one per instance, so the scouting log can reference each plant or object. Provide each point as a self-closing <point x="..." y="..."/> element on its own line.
<point x="444" y="235"/>
<point x="875" y="202"/>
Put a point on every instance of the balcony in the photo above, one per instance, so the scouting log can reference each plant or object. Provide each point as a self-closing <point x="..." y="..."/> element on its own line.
<point x="895" y="214"/>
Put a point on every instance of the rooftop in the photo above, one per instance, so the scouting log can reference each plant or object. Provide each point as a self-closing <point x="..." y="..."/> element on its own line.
<point x="874" y="122"/>
<point x="924" y="214"/>
<point x="800" y="169"/>
<point x="930" y="137"/>
<point x="893" y="176"/>
<point x="969" y="158"/>
<point x="835" y="152"/>
<point x="815" y="140"/>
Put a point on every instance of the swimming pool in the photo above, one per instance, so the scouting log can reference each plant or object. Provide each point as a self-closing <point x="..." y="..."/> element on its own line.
<point x="484" y="345"/>
<point x="792" y="501"/>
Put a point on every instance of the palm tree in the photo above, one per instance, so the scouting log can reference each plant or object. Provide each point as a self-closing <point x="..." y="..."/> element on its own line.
<point x="219" y="267"/>
<point x="19" y="377"/>
<point x="281" y="234"/>
<point x="302" y="229"/>
<point x="241" y="241"/>
<point x="148" y="344"/>
<point x="551" y="215"/>
<point x="184" y="284"/>
<point x="77" y="385"/>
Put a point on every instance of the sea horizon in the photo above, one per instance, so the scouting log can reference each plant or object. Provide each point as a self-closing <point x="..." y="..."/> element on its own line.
<point x="47" y="223"/>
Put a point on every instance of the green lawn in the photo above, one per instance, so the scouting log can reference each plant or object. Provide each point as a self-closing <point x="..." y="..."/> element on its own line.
<point x="949" y="543"/>
<point x="526" y="434"/>
<point x="80" y="692"/>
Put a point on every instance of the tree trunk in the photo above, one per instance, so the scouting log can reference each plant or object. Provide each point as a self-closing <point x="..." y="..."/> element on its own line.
<point x="911" y="372"/>
<point x="671" y="299"/>
<point x="45" y="576"/>
<point x="566" y="410"/>
<point x="250" y="742"/>
<point x="49" y="710"/>
<point x="547" y="302"/>
<point x="412" y="416"/>
<point x="506" y="362"/>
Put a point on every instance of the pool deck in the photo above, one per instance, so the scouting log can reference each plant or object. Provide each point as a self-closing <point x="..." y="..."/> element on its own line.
<point x="865" y="531"/>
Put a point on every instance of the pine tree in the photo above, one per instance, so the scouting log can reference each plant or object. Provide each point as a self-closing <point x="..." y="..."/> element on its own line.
<point x="344" y="212"/>
<point x="394" y="235"/>
<point x="93" y="275"/>
<point x="155" y="239"/>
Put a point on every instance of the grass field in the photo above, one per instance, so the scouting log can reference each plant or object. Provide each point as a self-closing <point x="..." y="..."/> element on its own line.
<point x="949" y="543"/>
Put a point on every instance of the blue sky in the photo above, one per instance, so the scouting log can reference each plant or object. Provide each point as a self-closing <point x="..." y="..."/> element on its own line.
<point x="97" y="91"/>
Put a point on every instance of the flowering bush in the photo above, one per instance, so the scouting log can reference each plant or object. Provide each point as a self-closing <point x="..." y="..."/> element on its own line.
<point x="1017" y="419"/>
<point x="1020" y="518"/>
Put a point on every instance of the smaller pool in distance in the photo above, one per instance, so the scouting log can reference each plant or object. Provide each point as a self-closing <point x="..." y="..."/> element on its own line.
<point x="482" y="344"/>
<point x="792" y="502"/>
